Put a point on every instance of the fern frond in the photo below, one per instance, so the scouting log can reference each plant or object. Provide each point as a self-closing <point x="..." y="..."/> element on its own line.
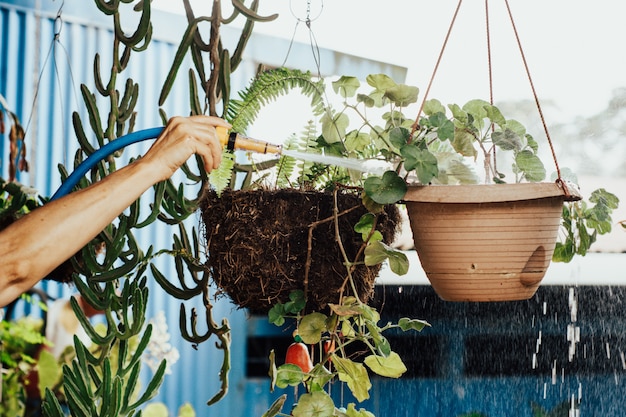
<point x="290" y="169"/>
<point x="286" y="165"/>
<point x="220" y="178"/>
<point x="268" y="86"/>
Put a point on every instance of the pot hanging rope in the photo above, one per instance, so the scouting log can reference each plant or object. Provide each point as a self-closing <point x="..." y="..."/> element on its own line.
<point x="487" y="242"/>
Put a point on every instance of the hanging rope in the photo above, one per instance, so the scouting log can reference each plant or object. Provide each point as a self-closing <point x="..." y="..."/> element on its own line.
<point x="432" y="77"/>
<point x="489" y="65"/>
<point x="559" y="180"/>
<point x="489" y="52"/>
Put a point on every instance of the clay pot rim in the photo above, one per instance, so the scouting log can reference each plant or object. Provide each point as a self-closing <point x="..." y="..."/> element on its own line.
<point x="483" y="193"/>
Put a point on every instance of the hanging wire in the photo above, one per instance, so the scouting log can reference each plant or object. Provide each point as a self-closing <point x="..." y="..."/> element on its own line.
<point x="312" y="41"/>
<point x="53" y="52"/>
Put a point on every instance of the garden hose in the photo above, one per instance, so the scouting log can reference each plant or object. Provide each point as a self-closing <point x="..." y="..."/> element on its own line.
<point x="231" y="140"/>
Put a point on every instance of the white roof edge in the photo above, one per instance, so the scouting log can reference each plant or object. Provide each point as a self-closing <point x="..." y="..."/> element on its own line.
<point x="593" y="269"/>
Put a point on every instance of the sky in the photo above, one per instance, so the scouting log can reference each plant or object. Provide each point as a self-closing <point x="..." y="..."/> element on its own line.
<point x="574" y="49"/>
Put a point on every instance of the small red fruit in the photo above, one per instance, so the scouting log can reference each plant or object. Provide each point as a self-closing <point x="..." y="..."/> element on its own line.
<point x="298" y="354"/>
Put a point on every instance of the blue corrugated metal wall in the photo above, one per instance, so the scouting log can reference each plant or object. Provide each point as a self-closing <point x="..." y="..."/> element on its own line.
<point x="40" y="79"/>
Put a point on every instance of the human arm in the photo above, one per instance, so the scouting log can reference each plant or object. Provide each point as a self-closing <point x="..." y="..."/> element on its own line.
<point x="33" y="246"/>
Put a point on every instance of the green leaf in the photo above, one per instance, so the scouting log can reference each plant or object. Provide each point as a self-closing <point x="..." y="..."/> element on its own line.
<point x="289" y="375"/>
<point x="530" y="165"/>
<point x="402" y="95"/>
<point x="296" y="302"/>
<point x="319" y="377"/>
<point x="311" y="327"/>
<point x="314" y="404"/>
<point x="399" y="136"/>
<point x="390" y="366"/>
<point x="507" y="140"/>
<point x="433" y="106"/>
<point x="422" y="161"/>
<point x="520" y="130"/>
<point x="477" y="108"/>
<point x="276" y="315"/>
<point x="368" y="101"/>
<point x="377" y="252"/>
<point x="346" y="86"/>
<point x="604" y="198"/>
<point x="412" y="324"/>
<point x="334" y="128"/>
<point x="380" y="81"/>
<point x="276" y="406"/>
<point x="564" y="251"/>
<point x="398" y="261"/>
<point x="445" y="127"/>
<point x="273" y="371"/>
<point x="357" y="141"/>
<point x="388" y="189"/>
<point x="463" y="142"/>
<point x="186" y="410"/>
<point x="354" y="375"/>
<point x="49" y="371"/>
<point x="365" y="225"/>
<point x="352" y="412"/>
<point x="156" y="410"/>
<point x="347" y="308"/>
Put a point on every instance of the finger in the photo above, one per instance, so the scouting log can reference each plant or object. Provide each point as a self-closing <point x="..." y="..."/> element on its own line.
<point x="210" y="121"/>
<point x="207" y="144"/>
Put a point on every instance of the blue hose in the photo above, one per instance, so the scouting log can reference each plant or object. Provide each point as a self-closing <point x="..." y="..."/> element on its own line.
<point x="102" y="153"/>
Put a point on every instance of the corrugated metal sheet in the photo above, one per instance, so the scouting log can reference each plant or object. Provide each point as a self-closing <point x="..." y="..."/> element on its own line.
<point x="40" y="77"/>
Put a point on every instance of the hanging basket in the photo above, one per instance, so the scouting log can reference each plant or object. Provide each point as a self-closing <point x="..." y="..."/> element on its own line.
<point x="262" y="245"/>
<point x="486" y="242"/>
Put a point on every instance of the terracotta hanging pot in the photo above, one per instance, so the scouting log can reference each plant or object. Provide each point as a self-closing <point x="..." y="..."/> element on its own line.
<point x="486" y="242"/>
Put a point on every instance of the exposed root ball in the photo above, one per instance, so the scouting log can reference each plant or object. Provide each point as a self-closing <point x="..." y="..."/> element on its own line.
<point x="257" y="243"/>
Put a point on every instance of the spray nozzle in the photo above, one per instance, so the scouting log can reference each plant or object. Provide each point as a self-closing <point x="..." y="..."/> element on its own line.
<point x="234" y="140"/>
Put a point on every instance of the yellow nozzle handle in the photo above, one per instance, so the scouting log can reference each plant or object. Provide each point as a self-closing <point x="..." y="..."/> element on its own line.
<point x="234" y="141"/>
<point x="222" y="134"/>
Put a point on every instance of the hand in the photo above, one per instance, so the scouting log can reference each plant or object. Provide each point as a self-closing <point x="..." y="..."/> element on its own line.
<point x="183" y="137"/>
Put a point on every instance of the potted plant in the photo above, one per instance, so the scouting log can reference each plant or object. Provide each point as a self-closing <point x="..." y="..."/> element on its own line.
<point x="348" y="344"/>
<point x="296" y="229"/>
<point x="434" y="171"/>
<point x="435" y="175"/>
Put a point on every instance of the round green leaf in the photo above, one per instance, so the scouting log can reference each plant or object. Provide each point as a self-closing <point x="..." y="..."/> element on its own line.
<point x="380" y="81"/>
<point x="334" y="128"/>
<point x="346" y="86"/>
<point x="288" y="375"/>
<point x="422" y="161"/>
<point x="311" y="328"/>
<point x="355" y="375"/>
<point x="314" y="404"/>
<point x="531" y="165"/>
<point x="402" y="95"/>
<point x="390" y="366"/>
<point x="399" y="136"/>
<point x="388" y="189"/>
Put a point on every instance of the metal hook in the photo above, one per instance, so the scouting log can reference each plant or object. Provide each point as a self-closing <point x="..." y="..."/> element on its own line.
<point x="308" y="18"/>
<point x="58" y="22"/>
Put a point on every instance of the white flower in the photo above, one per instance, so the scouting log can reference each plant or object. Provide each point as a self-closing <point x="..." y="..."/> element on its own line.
<point x="159" y="347"/>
